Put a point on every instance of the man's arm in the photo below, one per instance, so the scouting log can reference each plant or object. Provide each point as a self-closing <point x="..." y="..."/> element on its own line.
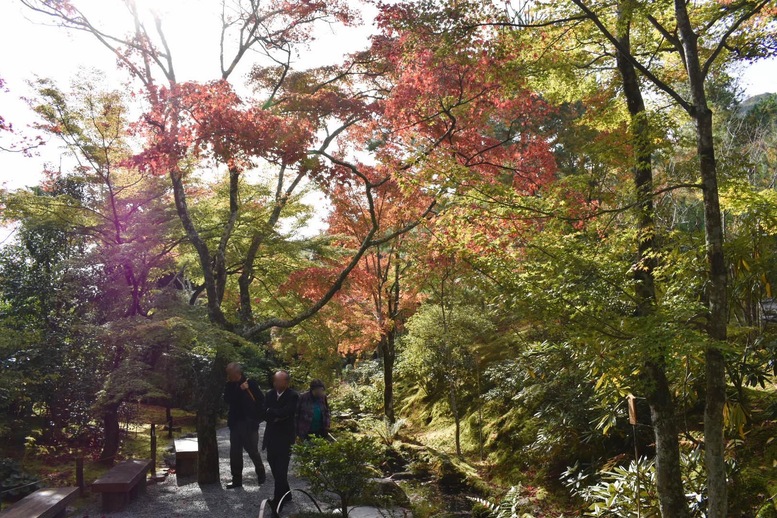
<point x="268" y="398"/>
<point x="258" y="399"/>
<point x="299" y="417"/>
<point x="253" y="388"/>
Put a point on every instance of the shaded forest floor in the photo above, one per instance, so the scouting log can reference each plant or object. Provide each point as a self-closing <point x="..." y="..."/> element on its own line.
<point x="442" y="484"/>
<point x="53" y="462"/>
<point x="420" y="458"/>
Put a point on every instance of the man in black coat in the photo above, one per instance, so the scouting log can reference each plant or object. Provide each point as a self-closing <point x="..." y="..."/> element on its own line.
<point x="279" y="435"/>
<point x="246" y="411"/>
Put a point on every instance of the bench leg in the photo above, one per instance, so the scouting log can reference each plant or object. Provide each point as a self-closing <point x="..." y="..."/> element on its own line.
<point x="113" y="502"/>
<point x="138" y="489"/>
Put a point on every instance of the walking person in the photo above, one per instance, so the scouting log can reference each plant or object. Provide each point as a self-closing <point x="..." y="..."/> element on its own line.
<point x="246" y="411"/>
<point x="279" y="434"/>
<point x="313" y="416"/>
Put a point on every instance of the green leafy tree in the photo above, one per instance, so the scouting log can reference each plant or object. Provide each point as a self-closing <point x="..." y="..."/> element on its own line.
<point x="51" y="363"/>
<point x="120" y="214"/>
<point x="700" y="39"/>
<point x="440" y="355"/>
<point x="341" y="468"/>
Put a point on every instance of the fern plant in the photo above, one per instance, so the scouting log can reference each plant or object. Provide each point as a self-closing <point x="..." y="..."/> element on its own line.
<point x="511" y="506"/>
<point x="383" y="429"/>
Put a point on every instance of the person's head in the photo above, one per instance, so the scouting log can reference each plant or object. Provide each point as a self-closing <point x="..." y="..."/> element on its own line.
<point x="280" y="381"/>
<point x="234" y="371"/>
<point x="317" y="388"/>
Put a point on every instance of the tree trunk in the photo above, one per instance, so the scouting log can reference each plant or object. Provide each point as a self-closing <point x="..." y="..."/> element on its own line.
<point x="714" y="442"/>
<point x="111" y="433"/>
<point x="671" y="498"/>
<point x="208" y="454"/>
<point x="715" y="369"/>
<point x="215" y="313"/>
<point x="388" y="354"/>
<point x="247" y="275"/>
<point x="245" y="311"/>
<point x="717" y="298"/>
<point x="220" y="257"/>
<point x="393" y="301"/>
<point x="456" y="419"/>
<point x="208" y="405"/>
<point x="669" y="482"/>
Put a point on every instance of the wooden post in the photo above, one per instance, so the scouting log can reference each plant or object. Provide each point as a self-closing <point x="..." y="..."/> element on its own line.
<point x="169" y="418"/>
<point x="80" y="476"/>
<point x="632" y="410"/>
<point x="633" y="423"/>
<point x="153" y="451"/>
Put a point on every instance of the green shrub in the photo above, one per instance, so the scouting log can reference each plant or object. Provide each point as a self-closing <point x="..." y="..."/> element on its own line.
<point x="361" y="390"/>
<point x="541" y="410"/>
<point x="342" y="468"/>
<point x="616" y="491"/>
<point x="751" y="494"/>
<point x="14" y="482"/>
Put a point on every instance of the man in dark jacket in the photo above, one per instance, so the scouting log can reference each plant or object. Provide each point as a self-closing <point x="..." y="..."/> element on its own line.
<point x="281" y="403"/>
<point x="246" y="411"/>
<point x="313" y="416"/>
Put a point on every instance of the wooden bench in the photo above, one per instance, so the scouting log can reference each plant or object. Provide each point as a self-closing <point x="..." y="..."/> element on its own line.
<point x="50" y="502"/>
<point x="186" y="454"/>
<point x="122" y="484"/>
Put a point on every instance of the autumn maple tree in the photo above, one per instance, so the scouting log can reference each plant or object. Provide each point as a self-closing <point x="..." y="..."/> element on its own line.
<point x="307" y="125"/>
<point x="368" y="313"/>
<point x="188" y="124"/>
<point x="448" y="120"/>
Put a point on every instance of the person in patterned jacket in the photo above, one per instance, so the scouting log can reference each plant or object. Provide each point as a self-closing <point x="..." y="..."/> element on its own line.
<point x="313" y="416"/>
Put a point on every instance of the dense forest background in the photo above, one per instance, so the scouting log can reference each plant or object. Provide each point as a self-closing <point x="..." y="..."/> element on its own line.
<point x="534" y="216"/>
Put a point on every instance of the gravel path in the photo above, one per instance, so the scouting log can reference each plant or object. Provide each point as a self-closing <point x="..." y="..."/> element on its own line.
<point x="186" y="498"/>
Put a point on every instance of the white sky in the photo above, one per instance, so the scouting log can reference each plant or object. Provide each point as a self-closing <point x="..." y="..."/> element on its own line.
<point x="30" y="48"/>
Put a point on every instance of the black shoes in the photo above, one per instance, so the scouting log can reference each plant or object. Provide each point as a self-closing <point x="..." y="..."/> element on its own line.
<point x="274" y="505"/>
<point x="261" y="479"/>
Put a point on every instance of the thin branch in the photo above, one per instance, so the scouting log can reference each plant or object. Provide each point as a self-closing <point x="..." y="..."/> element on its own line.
<point x="522" y="25"/>
<point x="628" y="55"/>
<point x="668" y="36"/>
<point x="724" y="39"/>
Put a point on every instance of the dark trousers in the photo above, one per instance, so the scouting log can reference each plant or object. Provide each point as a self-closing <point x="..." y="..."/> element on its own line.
<point x="278" y="457"/>
<point x="244" y="435"/>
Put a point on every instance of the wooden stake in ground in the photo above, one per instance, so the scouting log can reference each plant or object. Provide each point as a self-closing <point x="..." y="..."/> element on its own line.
<point x="633" y="423"/>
